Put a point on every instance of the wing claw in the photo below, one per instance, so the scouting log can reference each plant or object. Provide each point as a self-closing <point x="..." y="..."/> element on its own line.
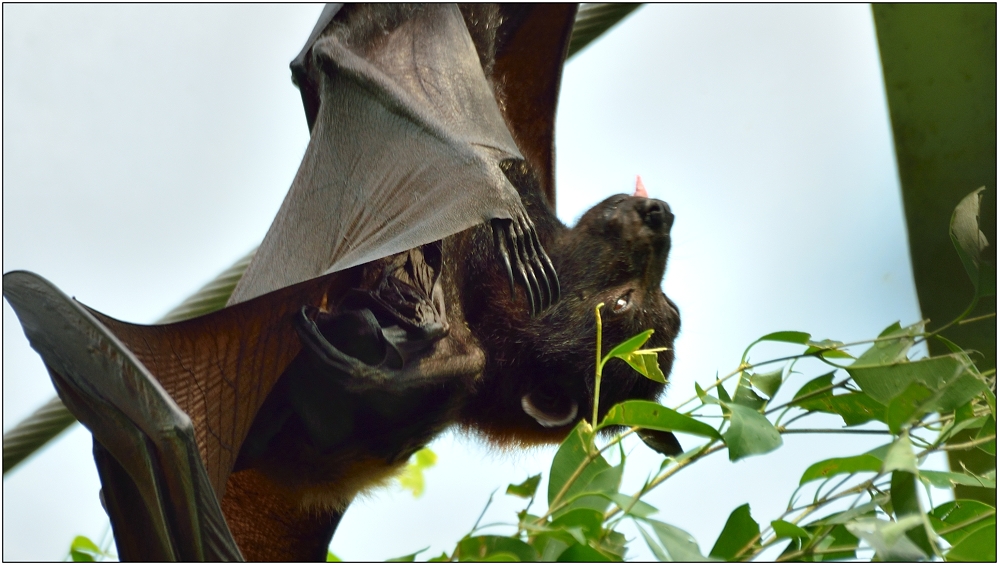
<point x="533" y="268"/>
<point x="524" y="267"/>
<point x="542" y="264"/>
<point x="500" y="243"/>
<point x="532" y="264"/>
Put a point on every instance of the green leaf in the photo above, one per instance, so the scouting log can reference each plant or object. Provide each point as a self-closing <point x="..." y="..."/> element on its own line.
<point x="814" y="402"/>
<point x="979" y="545"/>
<point x="907" y="406"/>
<point x="988" y="429"/>
<point x="905" y="502"/>
<point x="550" y="546"/>
<point x="634" y="506"/>
<point x="571" y="454"/>
<point x="614" y="544"/>
<point x="800" y="338"/>
<point x="784" y="529"/>
<point x="404" y="559"/>
<point x="841" y="465"/>
<point x="657" y="549"/>
<point x="594" y="492"/>
<point x="947" y="479"/>
<point x="961" y="390"/>
<point x="887" y="351"/>
<point x="654" y="416"/>
<point x="82" y="549"/>
<point x="494" y="548"/>
<point x="739" y="536"/>
<point x="900" y="456"/>
<point x="680" y="545"/>
<point x="953" y="372"/>
<point x="645" y="362"/>
<point x="834" y="354"/>
<point x="953" y="347"/>
<point x="888" y="539"/>
<point x="629" y="345"/>
<point x="723" y="394"/>
<point x="970" y="243"/>
<point x="582" y="553"/>
<point x="957" y="519"/>
<point x="411" y="477"/>
<point x="525" y="489"/>
<point x="827" y="348"/>
<point x="749" y="433"/>
<point x="745" y="395"/>
<point x="856" y="408"/>
<point x="332" y="558"/>
<point x="768" y="383"/>
<point x="587" y="520"/>
<point x="881" y="451"/>
<point x="839" y="538"/>
<point x="704" y="396"/>
<point x="973" y="423"/>
<point x="867" y="509"/>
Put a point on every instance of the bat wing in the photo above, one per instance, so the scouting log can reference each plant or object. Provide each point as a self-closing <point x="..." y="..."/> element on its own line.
<point x="144" y="443"/>
<point x="407" y="142"/>
<point x="530" y="50"/>
<point x="175" y="435"/>
<point x="524" y="65"/>
<point x="406" y="148"/>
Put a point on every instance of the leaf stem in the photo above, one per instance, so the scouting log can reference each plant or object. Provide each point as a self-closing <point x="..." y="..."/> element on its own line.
<point x="975" y="519"/>
<point x="977" y="318"/>
<point x="832" y="431"/>
<point x="815" y="392"/>
<point x="958" y="446"/>
<point x="483" y="513"/>
<point x="600" y="366"/>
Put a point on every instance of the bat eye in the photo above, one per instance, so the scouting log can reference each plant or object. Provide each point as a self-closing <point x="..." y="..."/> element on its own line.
<point x="622" y="303"/>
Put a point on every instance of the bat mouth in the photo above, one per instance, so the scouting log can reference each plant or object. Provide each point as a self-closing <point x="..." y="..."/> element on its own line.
<point x="549" y="410"/>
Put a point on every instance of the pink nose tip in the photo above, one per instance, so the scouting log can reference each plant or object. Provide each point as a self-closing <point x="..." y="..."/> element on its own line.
<point x="640" y="191"/>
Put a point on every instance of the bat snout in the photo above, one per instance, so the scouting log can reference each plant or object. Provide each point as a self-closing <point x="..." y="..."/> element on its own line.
<point x="655" y="214"/>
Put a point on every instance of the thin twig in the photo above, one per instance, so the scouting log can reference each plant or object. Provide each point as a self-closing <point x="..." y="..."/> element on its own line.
<point x="977" y="318"/>
<point x="833" y="431"/>
<point x="488" y="502"/>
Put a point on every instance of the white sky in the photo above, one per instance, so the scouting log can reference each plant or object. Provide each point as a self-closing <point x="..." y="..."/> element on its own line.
<point x="146" y="148"/>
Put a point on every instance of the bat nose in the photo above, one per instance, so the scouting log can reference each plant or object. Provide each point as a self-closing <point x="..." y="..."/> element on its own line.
<point x="656" y="214"/>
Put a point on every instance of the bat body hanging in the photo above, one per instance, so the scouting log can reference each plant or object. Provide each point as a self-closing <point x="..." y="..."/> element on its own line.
<point x="415" y="278"/>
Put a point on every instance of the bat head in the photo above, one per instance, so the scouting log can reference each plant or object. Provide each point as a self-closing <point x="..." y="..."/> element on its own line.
<point x="544" y="372"/>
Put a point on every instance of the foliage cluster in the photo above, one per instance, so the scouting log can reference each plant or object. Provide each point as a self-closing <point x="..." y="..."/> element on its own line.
<point x="918" y="402"/>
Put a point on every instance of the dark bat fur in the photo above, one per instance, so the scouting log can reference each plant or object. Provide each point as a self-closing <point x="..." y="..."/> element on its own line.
<point x="318" y="382"/>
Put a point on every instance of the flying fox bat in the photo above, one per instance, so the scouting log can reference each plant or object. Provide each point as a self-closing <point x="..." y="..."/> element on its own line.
<point x="414" y="278"/>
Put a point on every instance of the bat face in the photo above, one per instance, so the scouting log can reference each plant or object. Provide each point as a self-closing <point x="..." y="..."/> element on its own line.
<point x="539" y="380"/>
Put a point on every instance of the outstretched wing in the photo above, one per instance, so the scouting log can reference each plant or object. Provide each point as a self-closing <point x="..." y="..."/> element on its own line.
<point x="530" y="50"/>
<point x="406" y="149"/>
<point x="522" y="59"/>
<point x="407" y="141"/>
<point x="160" y="501"/>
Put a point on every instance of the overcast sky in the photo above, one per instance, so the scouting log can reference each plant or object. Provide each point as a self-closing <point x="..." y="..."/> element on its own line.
<point x="146" y="148"/>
